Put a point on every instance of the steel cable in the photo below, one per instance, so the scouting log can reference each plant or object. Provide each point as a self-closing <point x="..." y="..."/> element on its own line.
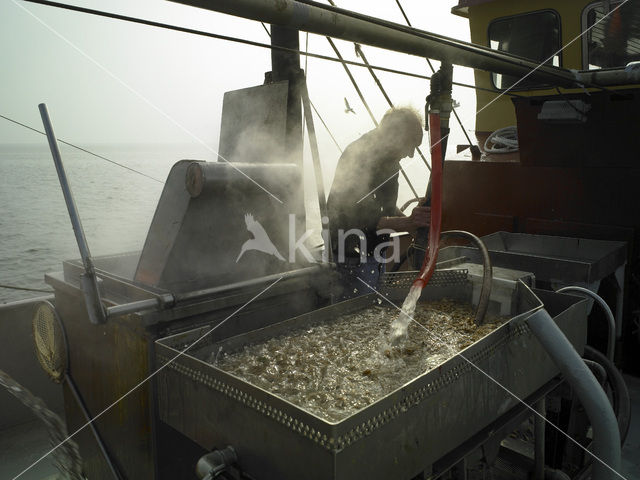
<point x="192" y="31"/>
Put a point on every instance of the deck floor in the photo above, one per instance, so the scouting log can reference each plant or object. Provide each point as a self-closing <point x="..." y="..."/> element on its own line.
<point x="22" y="445"/>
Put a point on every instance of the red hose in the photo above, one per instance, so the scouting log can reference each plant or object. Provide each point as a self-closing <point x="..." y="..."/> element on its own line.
<point x="429" y="263"/>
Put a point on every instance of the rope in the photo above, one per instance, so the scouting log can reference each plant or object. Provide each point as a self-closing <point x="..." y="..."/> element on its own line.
<point x="504" y="140"/>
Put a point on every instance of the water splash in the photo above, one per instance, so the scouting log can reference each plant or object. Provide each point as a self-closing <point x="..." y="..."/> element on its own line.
<point x="400" y="324"/>
<point x="334" y="369"/>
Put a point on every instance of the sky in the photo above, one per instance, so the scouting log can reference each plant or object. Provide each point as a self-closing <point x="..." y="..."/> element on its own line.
<point x="111" y="82"/>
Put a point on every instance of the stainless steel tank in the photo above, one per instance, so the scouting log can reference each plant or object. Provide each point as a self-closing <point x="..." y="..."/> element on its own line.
<point x="398" y="436"/>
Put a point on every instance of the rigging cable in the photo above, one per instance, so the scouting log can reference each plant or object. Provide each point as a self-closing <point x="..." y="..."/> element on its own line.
<point x="433" y="70"/>
<point x="265" y="28"/>
<point x="366" y="105"/>
<point x="176" y="28"/>
<point x="360" y="54"/>
<point x="82" y="149"/>
<point x="325" y="126"/>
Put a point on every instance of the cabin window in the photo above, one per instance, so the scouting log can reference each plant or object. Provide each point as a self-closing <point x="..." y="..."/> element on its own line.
<point x="535" y="36"/>
<point x="611" y="41"/>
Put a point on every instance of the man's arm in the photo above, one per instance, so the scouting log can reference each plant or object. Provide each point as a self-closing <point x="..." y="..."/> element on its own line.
<point x="420" y="217"/>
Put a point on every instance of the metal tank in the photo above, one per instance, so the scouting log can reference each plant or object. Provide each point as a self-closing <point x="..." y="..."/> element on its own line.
<point x="399" y="436"/>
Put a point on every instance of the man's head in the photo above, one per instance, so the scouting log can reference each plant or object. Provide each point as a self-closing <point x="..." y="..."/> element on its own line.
<point x="401" y="131"/>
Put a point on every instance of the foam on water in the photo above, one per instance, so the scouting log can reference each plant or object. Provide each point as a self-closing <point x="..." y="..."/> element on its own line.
<point x="338" y="367"/>
<point x="400" y="324"/>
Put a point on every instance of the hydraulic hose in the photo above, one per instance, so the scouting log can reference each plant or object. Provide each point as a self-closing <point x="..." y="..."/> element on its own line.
<point x="606" y="434"/>
<point x="487" y="274"/>
<point x="611" y="319"/>
<point x="619" y="392"/>
<point x="429" y="262"/>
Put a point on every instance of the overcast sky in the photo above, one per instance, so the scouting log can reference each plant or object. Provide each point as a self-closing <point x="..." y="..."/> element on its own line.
<point x="108" y="81"/>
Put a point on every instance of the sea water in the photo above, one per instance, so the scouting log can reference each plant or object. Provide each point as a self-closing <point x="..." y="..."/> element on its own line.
<point x="115" y="205"/>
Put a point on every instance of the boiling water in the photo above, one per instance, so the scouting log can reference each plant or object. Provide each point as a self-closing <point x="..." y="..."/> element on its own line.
<point x="400" y="325"/>
<point x="337" y="368"/>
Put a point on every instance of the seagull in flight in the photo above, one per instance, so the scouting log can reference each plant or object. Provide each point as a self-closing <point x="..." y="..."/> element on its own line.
<point x="348" y="107"/>
<point x="260" y="240"/>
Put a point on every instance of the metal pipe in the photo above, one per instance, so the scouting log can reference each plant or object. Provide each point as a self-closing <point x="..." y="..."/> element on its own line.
<point x="606" y="435"/>
<point x="285" y="65"/>
<point x="618" y="76"/>
<point x="538" y="427"/>
<point x="170" y="299"/>
<point x="25" y="303"/>
<point x="88" y="281"/>
<point x="315" y="154"/>
<point x="66" y="189"/>
<point x="618" y="390"/>
<point x="611" y="341"/>
<point x="338" y="23"/>
<point x="132" y="307"/>
<point x="200" y="294"/>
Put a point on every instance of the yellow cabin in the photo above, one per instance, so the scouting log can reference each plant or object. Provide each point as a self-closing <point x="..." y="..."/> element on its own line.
<point x="549" y="32"/>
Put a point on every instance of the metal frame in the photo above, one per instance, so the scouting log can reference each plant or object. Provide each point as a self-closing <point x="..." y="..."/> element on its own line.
<point x="528" y="87"/>
<point x="583" y="26"/>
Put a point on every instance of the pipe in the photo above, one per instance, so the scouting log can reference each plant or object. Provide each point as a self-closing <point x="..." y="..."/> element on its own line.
<point x="619" y="392"/>
<point x="285" y="65"/>
<point x="88" y="280"/>
<point x="214" y="463"/>
<point x="611" y="341"/>
<point x="606" y="435"/>
<point x="24" y="303"/>
<point x="429" y="262"/>
<point x="170" y="299"/>
<point x="599" y="372"/>
<point x="487" y="273"/>
<point x="91" y="422"/>
<point x="339" y="23"/>
<point x="315" y="155"/>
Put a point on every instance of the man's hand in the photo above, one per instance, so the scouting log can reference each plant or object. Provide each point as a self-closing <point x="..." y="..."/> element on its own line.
<point x="420" y="217"/>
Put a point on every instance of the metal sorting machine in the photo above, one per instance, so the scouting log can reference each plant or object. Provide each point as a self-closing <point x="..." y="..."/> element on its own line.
<point x="424" y="426"/>
<point x="185" y="276"/>
<point x="185" y="282"/>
